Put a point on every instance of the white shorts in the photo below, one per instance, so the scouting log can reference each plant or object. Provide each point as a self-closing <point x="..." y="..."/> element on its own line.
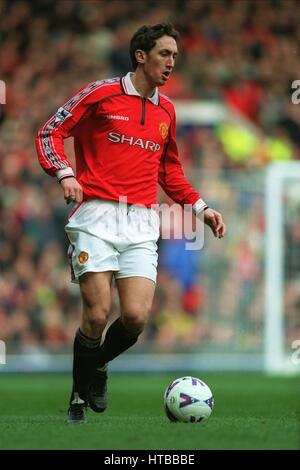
<point x="112" y="236"/>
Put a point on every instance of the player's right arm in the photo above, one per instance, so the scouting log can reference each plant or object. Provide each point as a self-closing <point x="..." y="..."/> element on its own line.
<point x="72" y="189"/>
<point x="50" y="137"/>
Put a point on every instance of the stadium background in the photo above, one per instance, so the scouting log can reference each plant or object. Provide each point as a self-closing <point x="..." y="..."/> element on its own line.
<point x="239" y="58"/>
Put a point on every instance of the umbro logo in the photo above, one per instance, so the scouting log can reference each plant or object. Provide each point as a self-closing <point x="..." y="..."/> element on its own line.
<point x="113" y="116"/>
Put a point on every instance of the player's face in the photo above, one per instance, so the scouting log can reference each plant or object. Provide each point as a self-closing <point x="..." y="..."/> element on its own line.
<point x="160" y="61"/>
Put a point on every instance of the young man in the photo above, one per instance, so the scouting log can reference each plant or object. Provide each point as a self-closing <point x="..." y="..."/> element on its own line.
<point x="125" y="144"/>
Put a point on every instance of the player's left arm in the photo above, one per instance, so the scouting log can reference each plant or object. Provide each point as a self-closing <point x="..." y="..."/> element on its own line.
<point x="214" y="220"/>
<point x="173" y="181"/>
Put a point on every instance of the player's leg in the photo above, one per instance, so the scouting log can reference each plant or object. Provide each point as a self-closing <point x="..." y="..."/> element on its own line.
<point x="136" y="296"/>
<point x="135" y="280"/>
<point x="93" y="258"/>
<point x="96" y="298"/>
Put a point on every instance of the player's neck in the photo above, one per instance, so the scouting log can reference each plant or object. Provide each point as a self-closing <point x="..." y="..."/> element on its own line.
<point x="142" y="85"/>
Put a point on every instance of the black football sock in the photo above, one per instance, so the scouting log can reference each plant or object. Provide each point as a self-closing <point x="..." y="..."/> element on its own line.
<point x="84" y="351"/>
<point x="117" y="340"/>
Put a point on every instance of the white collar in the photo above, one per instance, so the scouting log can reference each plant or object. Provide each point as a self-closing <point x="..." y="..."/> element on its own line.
<point x="130" y="90"/>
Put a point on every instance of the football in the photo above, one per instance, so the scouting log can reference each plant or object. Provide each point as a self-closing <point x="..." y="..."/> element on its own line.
<point x="188" y="400"/>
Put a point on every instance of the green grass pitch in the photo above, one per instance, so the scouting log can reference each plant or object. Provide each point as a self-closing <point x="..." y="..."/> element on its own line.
<point x="251" y="412"/>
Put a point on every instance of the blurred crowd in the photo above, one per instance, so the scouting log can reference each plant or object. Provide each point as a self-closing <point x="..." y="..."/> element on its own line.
<point x="244" y="54"/>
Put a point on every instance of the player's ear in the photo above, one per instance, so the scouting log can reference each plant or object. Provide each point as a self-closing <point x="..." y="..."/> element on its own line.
<point x="140" y="56"/>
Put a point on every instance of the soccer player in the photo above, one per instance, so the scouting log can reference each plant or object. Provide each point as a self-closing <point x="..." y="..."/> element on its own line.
<point x="125" y="144"/>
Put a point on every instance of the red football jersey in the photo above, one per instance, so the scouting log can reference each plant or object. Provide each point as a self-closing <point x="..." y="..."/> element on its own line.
<point x="124" y="144"/>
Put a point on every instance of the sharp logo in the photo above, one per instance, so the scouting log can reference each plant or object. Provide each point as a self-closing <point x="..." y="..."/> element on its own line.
<point x="122" y="139"/>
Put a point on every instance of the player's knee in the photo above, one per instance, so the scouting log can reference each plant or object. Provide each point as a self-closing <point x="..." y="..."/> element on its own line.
<point x="96" y="317"/>
<point x="135" y="321"/>
<point x="97" y="322"/>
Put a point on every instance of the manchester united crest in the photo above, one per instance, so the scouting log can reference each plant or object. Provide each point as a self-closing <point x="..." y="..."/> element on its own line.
<point x="163" y="129"/>
<point x="83" y="257"/>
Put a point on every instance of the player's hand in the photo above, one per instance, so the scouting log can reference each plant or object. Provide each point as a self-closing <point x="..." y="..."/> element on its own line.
<point x="214" y="220"/>
<point x="72" y="190"/>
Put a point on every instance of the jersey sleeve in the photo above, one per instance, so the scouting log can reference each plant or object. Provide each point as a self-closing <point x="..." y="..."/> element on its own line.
<point x="171" y="176"/>
<point x="50" y="137"/>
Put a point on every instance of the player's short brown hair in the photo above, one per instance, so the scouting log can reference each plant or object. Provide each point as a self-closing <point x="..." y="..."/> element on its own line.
<point x="146" y="36"/>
